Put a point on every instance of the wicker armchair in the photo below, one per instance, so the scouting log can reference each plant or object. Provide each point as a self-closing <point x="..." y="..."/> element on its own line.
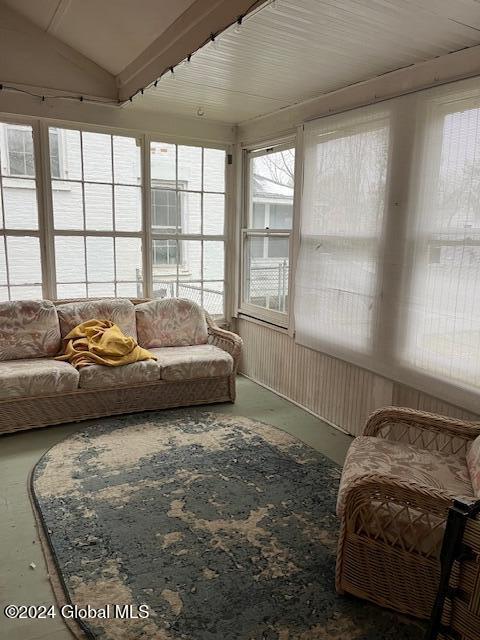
<point x="397" y="486"/>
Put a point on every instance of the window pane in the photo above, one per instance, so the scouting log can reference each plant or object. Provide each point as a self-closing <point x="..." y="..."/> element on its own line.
<point x="271" y="190"/>
<point x="190" y="260"/>
<point x="164" y="209"/>
<point x="259" y="216"/>
<point x="213" y="214"/>
<point x="190" y="168"/>
<point x="213" y="294"/>
<point x="126" y="160"/>
<point x="26" y="293"/>
<point x="101" y="289"/>
<point x="97" y="156"/>
<point x="20" y="150"/>
<point x="190" y="212"/>
<point x="129" y="290"/>
<point x="66" y="291"/>
<point x="67" y="205"/>
<point x="98" y="207"/>
<point x="213" y="260"/>
<point x="71" y="154"/>
<point x="191" y="290"/>
<point x="128" y="208"/>
<point x="213" y="170"/>
<point x="54" y="144"/>
<point x="266" y="278"/>
<point x="343" y="207"/>
<point x="277" y="248"/>
<point x="280" y="216"/>
<point x="20" y="204"/>
<point x="162" y="162"/>
<point x="129" y="259"/>
<point x="443" y="325"/>
<point x="70" y="259"/>
<point x="24" y="266"/>
<point x="100" y="260"/>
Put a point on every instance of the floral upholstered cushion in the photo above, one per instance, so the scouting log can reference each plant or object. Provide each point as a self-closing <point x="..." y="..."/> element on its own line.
<point x="172" y="322"/>
<point x="188" y="363"/>
<point x="28" y="329"/>
<point x="118" y="310"/>
<point x="368" y="455"/>
<point x="36" y="377"/>
<point x="473" y="463"/>
<point x="97" y="376"/>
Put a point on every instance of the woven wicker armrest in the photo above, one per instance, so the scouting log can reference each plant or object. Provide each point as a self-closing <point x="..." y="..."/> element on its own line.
<point x="226" y="340"/>
<point x="426" y="430"/>
<point x="379" y="489"/>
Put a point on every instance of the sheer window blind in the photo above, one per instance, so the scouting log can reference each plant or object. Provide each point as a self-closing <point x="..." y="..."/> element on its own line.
<point x="441" y="302"/>
<point x="343" y="205"/>
<point x="388" y="268"/>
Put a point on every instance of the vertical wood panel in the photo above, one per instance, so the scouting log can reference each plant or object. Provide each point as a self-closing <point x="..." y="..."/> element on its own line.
<point x="342" y="393"/>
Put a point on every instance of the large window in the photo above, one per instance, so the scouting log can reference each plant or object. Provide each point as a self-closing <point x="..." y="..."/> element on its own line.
<point x="442" y="312"/>
<point x="341" y="230"/>
<point x="388" y="272"/>
<point x="97" y="214"/>
<point x="266" y="234"/>
<point x="20" y="259"/>
<point x="91" y="235"/>
<point x="187" y="223"/>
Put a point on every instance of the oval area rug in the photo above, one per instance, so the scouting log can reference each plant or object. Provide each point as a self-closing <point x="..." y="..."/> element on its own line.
<point x="224" y="527"/>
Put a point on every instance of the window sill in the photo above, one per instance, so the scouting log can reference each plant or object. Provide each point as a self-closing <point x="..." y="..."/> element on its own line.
<point x="19" y="183"/>
<point x="264" y="320"/>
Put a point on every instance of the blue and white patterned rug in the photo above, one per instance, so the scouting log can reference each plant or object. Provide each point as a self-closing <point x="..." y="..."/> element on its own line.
<point x="224" y="527"/>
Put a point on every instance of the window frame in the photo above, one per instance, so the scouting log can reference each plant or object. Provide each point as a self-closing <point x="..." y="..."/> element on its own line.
<point x="53" y="233"/>
<point x="179" y="187"/>
<point x="23" y="181"/>
<point x="283" y="320"/>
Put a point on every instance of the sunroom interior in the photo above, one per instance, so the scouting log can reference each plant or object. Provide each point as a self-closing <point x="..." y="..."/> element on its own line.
<point x="306" y="172"/>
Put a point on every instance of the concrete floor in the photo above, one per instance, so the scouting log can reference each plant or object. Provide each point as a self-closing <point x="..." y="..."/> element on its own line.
<point x="19" y="545"/>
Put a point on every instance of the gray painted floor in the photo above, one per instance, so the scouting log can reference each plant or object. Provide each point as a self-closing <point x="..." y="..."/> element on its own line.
<point x="19" y="545"/>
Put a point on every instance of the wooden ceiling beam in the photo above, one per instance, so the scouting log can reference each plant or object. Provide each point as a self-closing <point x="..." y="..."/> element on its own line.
<point x="185" y="35"/>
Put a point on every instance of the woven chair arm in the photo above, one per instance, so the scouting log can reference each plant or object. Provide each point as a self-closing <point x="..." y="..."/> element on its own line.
<point x="226" y="340"/>
<point x="411" y="495"/>
<point x="381" y="423"/>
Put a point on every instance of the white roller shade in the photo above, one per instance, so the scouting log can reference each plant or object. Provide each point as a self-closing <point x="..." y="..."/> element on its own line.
<point x="388" y="269"/>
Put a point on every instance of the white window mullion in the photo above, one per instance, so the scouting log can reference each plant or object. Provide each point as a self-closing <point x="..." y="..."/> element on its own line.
<point x="147" y="240"/>
<point x="45" y="208"/>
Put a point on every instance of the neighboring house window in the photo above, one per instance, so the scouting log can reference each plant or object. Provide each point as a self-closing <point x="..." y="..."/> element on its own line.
<point x="20" y="151"/>
<point x="19" y="142"/>
<point x="266" y="236"/>
<point x="55" y="156"/>
<point x="165" y="219"/>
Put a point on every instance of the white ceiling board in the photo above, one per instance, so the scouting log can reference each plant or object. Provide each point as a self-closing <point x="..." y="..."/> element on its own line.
<point x="304" y="48"/>
<point x="112" y="33"/>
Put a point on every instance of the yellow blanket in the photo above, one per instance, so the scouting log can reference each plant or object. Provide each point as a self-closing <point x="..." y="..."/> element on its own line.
<point x="101" y="342"/>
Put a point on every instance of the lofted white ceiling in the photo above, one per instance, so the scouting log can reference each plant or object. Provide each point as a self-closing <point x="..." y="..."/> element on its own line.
<point x="112" y="33"/>
<point x="293" y="50"/>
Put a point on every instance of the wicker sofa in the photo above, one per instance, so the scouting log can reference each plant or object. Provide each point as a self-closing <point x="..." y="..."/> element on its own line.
<point x="399" y="480"/>
<point x="196" y="361"/>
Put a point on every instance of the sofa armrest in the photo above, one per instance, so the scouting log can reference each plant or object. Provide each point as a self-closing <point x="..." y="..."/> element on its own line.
<point x="226" y="340"/>
<point x="426" y="430"/>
